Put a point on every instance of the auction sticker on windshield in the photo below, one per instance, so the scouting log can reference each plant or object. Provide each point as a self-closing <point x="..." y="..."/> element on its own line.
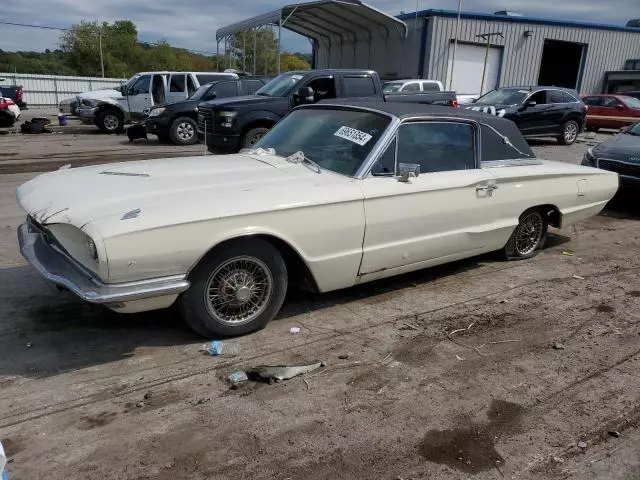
<point x="353" y="135"/>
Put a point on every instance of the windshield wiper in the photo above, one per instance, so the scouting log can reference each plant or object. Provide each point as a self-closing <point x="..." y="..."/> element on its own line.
<point x="300" y="157"/>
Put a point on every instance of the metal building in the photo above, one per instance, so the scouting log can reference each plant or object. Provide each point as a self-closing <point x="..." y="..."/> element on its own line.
<point x="522" y="50"/>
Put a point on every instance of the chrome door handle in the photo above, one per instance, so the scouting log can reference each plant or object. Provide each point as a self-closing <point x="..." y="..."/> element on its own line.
<point x="488" y="188"/>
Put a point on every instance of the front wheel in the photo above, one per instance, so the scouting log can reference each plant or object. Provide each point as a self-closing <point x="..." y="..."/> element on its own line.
<point x="570" y="132"/>
<point x="253" y="136"/>
<point x="236" y="289"/>
<point x="110" y="120"/>
<point x="528" y="237"/>
<point x="184" y="131"/>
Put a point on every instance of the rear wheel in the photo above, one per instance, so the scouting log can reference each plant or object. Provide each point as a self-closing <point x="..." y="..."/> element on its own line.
<point x="570" y="132"/>
<point x="110" y="120"/>
<point x="528" y="237"/>
<point x="236" y="289"/>
<point x="184" y="131"/>
<point x="253" y="136"/>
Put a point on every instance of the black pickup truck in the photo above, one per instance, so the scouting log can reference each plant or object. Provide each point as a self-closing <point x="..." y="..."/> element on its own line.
<point x="234" y="123"/>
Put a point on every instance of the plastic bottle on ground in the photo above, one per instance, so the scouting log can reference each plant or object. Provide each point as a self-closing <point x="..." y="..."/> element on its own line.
<point x="217" y="348"/>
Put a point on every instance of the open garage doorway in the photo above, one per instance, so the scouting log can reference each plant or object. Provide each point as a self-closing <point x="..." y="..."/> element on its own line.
<point x="561" y="64"/>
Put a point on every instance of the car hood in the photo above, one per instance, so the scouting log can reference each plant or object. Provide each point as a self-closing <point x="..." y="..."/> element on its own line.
<point x="101" y="94"/>
<point x="621" y="147"/>
<point x="177" y="190"/>
<point x="240" y="101"/>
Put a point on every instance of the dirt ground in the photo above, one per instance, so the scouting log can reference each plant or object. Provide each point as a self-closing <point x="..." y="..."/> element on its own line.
<point x="479" y="369"/>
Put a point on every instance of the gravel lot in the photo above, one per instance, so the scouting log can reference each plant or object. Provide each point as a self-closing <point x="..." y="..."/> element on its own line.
<point x="479" y="369"/>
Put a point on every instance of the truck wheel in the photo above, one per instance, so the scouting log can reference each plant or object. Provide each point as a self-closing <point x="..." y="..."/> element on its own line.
<point x="184" y="131"/>
<point x="528" y="237"/>
<point x="236" y="289"/>
<point x="253" y="136"/>
<point x="110" y="120"/>
<point x="570" y="132"/>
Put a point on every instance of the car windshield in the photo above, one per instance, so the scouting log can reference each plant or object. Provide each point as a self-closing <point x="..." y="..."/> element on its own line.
<point x="507" y="96"/>
<point x="634" y="129"/>
<point x="199" y="93"/>
<point x="391" y="87"/>
<point x="280" y="86"/>
<point x="336" y="140"/>
<point x="631" y="102"/>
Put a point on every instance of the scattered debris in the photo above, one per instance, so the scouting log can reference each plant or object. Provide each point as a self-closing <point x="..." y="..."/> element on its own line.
<point x="148" y="395"/>
<point x="217" y="348"/>
<point x="558" y="346"/>
<point x="140" y="404"/>
<point x="408" y="326"/>
<point x="460" y="358"/>
<point x="238" y="377"/>
<point x="614" y="433"/>
<point x="582" y="446"/>
<point x="578" y="277"/>
<point x="558" y="459"/>
<point x="295" y="329"/>
<point x="282" y="372"/>
<point x="617" y="243"/>
<point x="567" y="253"/>
<point x="201" y="401"/>
<point x="344" y="356"/>
<point x="503" y="301"/>
<point x="29" y="345"/>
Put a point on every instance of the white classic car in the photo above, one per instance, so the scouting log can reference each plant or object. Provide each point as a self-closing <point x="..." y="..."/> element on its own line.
<point x="335" y="195"/>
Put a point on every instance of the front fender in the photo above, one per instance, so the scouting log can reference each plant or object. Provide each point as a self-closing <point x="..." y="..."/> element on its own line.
<point x="258" y="116"/>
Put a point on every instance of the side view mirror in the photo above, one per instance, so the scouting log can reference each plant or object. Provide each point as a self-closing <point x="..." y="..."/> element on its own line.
<point x="407" y="171"/>
<point x="305" y="95"/>
<point x="530" y="104"/>
<point x="619" y="107"/>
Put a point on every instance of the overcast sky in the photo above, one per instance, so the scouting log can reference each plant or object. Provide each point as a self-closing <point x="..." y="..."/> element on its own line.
<point x="193" y="23"/>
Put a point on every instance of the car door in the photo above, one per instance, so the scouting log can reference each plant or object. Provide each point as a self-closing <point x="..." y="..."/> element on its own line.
<point x="613" y="113"/>
<point x="138" y="97"/>
<point x="594" y="111"/>
<point x="531" y="117"/>
<point x="443" y="214"/>
<point x="224" y="89"/>
<point x="558" y="111"/>
<point x="177" y="87"/>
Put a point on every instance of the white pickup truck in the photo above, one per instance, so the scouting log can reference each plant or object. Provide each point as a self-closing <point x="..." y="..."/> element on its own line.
<point x="109" y="109"/>
<point x="415" y="85"/>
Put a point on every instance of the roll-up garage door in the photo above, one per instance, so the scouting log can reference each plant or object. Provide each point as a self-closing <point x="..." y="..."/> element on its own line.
<point x="467" y="74"/>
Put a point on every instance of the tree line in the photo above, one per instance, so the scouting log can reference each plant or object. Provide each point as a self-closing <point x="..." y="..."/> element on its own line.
<point x="123" y="54"/>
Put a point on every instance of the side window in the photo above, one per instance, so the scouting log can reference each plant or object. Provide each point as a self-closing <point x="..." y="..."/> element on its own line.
<point x="411" y="87"/>
<point x="437" y="146"/>
<point x="430" y="87"/>
<point x="177" y="83"/>
<point x="141" y="85"/>
<point x="610" y="102"/>
<point x="569" y="98"/>
<point x="208" y="78"/>
<point x="386" y="165"/>
<point x="359" y="87"/>
<point x="556" y="96"/>
<point x="250" y="87"/>
<point x="191" y="85"/>
<point x="226" y="89"/>
<point x="323" y="88"/>
<point x="593" y="101"/>
<point x="539" y="97"/>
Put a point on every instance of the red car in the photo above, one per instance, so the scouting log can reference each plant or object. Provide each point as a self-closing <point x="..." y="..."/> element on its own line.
<point x="611" y="111"/>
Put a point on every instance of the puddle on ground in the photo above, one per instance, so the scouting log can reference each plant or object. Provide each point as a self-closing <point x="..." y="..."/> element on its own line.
<point x="604" y="308"/>
<point x="634" y="293"/>
<point x="471" y="449"/>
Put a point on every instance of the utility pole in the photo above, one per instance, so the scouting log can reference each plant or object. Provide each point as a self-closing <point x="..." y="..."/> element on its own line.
<point x="487" y="37"/>
<point x="101" y="55"/>
<point x="244" y="52"/>
<point x="255" y="51"/>
<point x="455" y="45"/>
<point x="279" y="42"/>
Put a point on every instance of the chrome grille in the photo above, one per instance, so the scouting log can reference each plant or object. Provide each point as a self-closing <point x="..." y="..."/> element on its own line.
<point x="628" y="169"/>
<point x="204" y="116"/>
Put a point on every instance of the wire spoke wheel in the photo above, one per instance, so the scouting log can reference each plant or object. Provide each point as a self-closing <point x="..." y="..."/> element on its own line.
<point x="239" y="290"/>
<point x="529" y="233"/>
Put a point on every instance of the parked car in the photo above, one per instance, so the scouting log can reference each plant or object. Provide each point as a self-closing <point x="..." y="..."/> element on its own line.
<point x="611" y="111"/>
<point x="336" y="194"/>
<point x="142" y="91"/>
<point x="620" y="154"/>
<point x="9" y="112"/>
<point x="631" y="93"/>
<point x="538" y="111"/>
<point x="15" y="93"/>
<point x="241" y="122"/>
<point x="178" y="122"/>
<point x="420" y="85"/>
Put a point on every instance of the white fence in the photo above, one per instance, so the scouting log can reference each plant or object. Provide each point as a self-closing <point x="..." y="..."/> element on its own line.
<point x="48" y="90"/>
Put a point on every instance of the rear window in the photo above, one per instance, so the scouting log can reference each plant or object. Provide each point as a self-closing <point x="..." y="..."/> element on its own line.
<point x="569" y="98"/>
<point x="430" y="87"/>
<point x="359" y="87"/>
<point x="556" y="96"/>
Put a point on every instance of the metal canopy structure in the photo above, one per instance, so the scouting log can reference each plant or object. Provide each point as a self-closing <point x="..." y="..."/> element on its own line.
<point x="330" y="23"/>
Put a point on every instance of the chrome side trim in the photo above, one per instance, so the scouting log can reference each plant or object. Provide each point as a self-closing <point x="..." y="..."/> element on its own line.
<point x="58" y="269"/>
<point x="515" y="162"/>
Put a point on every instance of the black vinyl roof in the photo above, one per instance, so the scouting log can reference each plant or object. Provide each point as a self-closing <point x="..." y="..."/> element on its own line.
<point x="493" y="128"/>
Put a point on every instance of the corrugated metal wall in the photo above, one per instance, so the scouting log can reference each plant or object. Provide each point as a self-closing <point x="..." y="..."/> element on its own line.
<point x="48" y="90"/>
<point x="606" y="49"/>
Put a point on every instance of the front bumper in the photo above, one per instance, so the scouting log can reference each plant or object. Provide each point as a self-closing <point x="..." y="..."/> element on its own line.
<point x="86" y="114"/>
<point x="221" y="140"/>
<point x="57" y="267"/>
<point x="157" y="125"/>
